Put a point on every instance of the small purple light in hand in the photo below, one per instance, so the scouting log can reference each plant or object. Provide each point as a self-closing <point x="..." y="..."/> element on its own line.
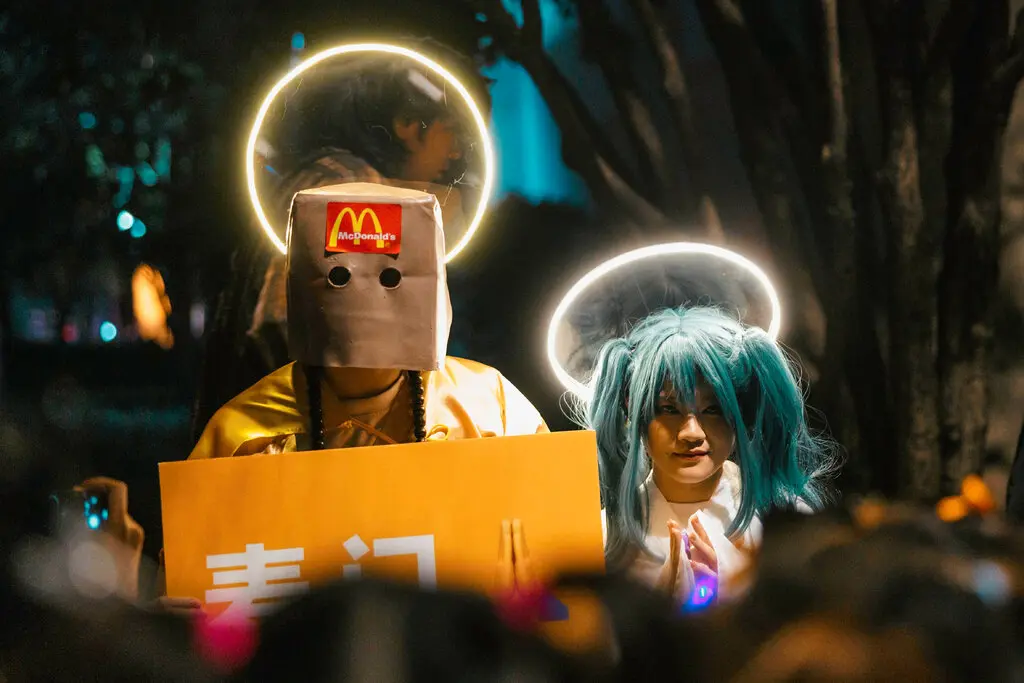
<point x="703" y="594"/>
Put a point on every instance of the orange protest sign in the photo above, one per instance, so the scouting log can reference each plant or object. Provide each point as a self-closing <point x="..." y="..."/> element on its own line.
<point x="243" y="532"/>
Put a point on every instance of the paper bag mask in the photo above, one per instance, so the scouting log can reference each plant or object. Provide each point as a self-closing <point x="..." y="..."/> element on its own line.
<point x="366" y="278"/>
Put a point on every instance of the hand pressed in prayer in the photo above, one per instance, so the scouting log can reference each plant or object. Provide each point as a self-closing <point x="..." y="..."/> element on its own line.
<point x="676" y="578"/>
<point x="515" y="570"/>
<point x="522" y="600"/>
<point x="703" y="559"/>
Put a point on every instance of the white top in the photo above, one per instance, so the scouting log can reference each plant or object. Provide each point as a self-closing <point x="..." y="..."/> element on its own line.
<point x="715" y="515"/>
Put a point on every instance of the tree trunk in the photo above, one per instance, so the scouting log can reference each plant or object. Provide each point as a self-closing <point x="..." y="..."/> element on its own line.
<point x="680" y="105"/>
<point x="842" y="232"/>
<point x="913" y="318"/>
<point x="758" y="104"/>
<point x="987" y="70"/>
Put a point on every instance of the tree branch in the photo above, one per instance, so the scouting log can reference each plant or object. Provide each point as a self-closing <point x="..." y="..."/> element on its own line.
<point x="764" y="113"/>
<point x="604" y="44"/>
<point x="837" y="183"/>
<point x="1008" y="75"/>
<point x="985" y="109"/>
<point x="795" y="94"/>
<point x="681" y="108"/>
<point x="757" y="103"/>
<point x="798" y="79"/>
<point x="585" y="147"/>
<point x="587" y="152"/>
<point x="843" y="317"/>
<point x="556" y="90"/>
<point x="836" y="145"/>
<point x="950" y="34"/>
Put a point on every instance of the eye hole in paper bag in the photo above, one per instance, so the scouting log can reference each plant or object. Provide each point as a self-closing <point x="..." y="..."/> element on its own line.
<point x="339" y="276"/>
<point x="390" y="278"/>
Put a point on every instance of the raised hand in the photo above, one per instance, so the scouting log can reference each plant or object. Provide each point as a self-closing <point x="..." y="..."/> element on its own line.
<point x="704" y="562"/>
<point x="515" y="569"/>
<point x="676" y="577"/>
<point x="123" y="536"/>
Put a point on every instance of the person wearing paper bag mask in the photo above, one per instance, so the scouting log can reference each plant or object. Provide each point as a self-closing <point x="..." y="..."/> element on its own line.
<point x="368" y="322"/>
<point x="383" y="121"/>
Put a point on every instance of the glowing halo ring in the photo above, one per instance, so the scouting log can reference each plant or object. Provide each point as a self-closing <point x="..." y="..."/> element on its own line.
<point x="583" y="391"/>
<point x="478" y="118"/>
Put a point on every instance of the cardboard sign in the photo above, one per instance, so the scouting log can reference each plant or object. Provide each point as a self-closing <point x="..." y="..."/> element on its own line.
<point x="242" y="533"/>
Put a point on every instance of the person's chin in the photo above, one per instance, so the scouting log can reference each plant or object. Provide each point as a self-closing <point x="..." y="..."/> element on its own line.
<point x="694" y="474"/>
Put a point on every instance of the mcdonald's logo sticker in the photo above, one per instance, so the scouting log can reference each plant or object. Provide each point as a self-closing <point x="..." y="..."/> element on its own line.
<point x="363" y="228"/>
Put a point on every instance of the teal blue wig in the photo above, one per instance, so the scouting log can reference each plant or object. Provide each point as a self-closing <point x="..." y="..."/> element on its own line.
<point x="780" y="461"/>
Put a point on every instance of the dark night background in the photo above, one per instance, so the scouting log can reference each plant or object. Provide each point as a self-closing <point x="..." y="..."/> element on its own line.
<point x="116" y="106"/>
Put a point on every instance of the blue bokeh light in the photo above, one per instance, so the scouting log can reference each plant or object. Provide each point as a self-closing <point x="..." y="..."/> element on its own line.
<point x="147" y="175"/>
<point x="125" y="220"/>
<point x="108" y="331"/>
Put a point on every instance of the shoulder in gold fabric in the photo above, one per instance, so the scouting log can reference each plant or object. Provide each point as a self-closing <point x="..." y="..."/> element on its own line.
<point x="466" y="391"/>
<point x="469" y="399"/>
<point x="265" y="410"/>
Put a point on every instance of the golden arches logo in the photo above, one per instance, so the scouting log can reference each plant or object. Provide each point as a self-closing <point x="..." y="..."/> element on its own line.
<point x="385" y="237"/>
<point x="357" y="226"/>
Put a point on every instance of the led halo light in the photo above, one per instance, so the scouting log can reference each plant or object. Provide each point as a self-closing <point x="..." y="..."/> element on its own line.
<point x="581" y="390"/>
<point x="478" y="118"/>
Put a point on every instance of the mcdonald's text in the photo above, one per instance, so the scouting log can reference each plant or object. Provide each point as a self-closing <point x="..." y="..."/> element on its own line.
<point x="363" y="228"/>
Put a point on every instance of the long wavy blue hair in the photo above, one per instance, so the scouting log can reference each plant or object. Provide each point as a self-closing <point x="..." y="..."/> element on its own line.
<point x="779" y="459"/>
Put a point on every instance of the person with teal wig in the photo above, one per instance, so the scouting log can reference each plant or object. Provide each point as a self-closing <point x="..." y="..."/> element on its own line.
<point x="701" y="431"/>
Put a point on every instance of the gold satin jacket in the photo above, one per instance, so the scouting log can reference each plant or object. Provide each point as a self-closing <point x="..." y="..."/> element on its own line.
<point x="463" y="400"/>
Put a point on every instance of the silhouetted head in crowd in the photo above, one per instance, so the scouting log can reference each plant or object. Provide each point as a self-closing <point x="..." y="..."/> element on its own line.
<point x="368" y="631"/>
<point x="940" y="589"/>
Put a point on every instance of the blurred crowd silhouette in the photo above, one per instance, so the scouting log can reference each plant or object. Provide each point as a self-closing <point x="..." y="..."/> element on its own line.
<point x="870" y="591"/>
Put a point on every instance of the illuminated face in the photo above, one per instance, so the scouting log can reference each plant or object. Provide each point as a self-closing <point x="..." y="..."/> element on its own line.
<point x="688" y="444"/>
<point x="366" y="278"/>
<point x="431" y="148"/>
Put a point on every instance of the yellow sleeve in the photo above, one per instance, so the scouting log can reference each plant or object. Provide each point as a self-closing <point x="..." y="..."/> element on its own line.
<point x="262" y="416"/>
<point x="519" y="414"/>
<point x="225" y="437"/>
<point x="212" y="443"/>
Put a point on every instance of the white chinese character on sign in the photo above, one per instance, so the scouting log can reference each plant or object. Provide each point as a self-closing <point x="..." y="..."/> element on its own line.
<point x="357" y="549"/>
<point x="252" y="599"/>
<point x="420" y="546"/>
